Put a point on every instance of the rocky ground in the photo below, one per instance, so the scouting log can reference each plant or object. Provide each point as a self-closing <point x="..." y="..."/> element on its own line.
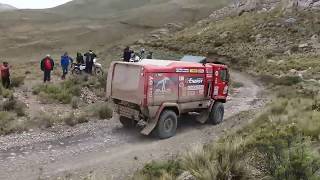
<point x="107" y="149"/>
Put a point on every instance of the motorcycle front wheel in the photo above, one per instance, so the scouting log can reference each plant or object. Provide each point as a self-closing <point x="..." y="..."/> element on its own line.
<point x="76" y="71"/>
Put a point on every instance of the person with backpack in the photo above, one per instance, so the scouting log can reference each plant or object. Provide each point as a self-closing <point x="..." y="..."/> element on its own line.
<point x="5" y="75"/>
<point x="90" y="56"/>
<point x="47" y="65"/>
<point x="65" y="62"/>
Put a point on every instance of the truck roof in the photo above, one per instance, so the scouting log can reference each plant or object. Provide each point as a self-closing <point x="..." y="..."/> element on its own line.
<point x="169" y="65"/>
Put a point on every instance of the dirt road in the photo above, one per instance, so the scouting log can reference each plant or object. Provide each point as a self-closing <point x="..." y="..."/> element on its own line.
<point x="107" y="149"/>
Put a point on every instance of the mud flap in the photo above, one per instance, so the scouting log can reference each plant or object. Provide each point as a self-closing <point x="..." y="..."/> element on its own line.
<point x="150" y="126"/>
<point x="203" y="117"/>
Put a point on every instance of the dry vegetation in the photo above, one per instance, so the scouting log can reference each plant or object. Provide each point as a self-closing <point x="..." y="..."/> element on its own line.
<point x="283" y="142"/>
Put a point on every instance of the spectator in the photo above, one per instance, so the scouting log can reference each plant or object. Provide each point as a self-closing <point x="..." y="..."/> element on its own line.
<point x="47" y="65"/>
<point x="65" y="62"/>
<point x="90" y="56"/>
<point x="80" y="58"/>
<point x="127" y="54"/>
<point x="5" y="75"/>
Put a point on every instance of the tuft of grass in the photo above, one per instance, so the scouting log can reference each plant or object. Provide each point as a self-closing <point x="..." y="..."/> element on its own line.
<point x="12" y="104"/>
<point x="72" y="119"/>
<point x="159" y="170"/>
<point x="75" y="102"/>
<point x="44" y="120"/>
<point x="103" y="111"/>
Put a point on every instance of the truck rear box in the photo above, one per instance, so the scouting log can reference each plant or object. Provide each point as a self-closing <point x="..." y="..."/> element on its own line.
<point x="127" y="83"/>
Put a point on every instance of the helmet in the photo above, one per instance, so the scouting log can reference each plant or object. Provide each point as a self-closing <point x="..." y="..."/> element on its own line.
<point x="48" y="55"/>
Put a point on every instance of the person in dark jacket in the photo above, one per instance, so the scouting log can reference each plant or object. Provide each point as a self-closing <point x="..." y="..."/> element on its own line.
<point x="65" y="62"/>
<point x="80" y="58"/>
<point x="47" y="65"/>
<point x="89" y="61"/>
<point x="5" y="75"/>
<point x="127" y="54"/>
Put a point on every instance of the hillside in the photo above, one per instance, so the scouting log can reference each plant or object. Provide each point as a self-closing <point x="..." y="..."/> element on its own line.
<point x="98" y="24"/>
<point x="6" y="7"/>
<point x="278" y="43"/>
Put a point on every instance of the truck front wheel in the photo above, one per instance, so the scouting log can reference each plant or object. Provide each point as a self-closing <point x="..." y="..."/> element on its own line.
<point x="126" y="122"/>
<point x="217" y="113"/>
<point x="167" y="124"/>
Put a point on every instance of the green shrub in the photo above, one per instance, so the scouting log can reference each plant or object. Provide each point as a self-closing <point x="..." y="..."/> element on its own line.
<point x="75" y="102"/>
<point x="44" y="120"/>
<point x="62" y="93"/>
<point x="5" y="120"/>
<point x="285" y="153"/>
<point x="12" y="104"/>
<point x="72" y="119"/>
<point x="156" y="170"/>
<point x="287" y="80"/>
<point x="104" y="111"/>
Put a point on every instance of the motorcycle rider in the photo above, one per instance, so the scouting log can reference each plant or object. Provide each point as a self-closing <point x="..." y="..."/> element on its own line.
<point x="89" y="61"/>
<point x="65" y="62"/>
<point x="46" y="66"/>
<point x="5" y="75"/>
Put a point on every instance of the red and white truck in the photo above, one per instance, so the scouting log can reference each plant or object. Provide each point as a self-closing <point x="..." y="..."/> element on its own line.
<point x="152" y="94"/>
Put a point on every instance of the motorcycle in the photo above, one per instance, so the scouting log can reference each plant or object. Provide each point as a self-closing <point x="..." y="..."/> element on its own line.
<point x="77" y="69"/>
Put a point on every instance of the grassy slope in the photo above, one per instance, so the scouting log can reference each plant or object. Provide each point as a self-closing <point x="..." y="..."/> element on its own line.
<point x="283" y="141"/>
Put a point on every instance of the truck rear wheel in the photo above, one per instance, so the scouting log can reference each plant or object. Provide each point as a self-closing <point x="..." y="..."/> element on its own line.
<point x="126" y="122"/>
<point x="167" y="124"/>
<point x="217" y="113"/>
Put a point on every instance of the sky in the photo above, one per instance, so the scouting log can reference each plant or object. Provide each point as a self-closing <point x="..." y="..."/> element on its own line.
<point x="34" y="4"/>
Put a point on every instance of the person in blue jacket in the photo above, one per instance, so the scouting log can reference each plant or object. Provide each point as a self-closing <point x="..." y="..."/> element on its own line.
<point x="65" y="62"/>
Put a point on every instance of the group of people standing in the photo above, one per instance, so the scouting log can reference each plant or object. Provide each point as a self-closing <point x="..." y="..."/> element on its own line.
<point x="129" y="54"/>
<point x="47" y="64"/>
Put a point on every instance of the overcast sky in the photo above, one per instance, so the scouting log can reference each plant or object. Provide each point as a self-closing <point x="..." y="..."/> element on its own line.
<point x="34" y="4"/>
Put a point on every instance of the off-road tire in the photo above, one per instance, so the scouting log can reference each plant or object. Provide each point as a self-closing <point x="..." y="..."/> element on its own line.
<point x="167" y="125"/>
<point x="216" y="114"/>
<point x="126" y="122"/>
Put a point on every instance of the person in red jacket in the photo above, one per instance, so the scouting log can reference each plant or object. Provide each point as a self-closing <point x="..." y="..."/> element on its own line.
<point x="5" y="75"/>
<point x="47" y="65"/>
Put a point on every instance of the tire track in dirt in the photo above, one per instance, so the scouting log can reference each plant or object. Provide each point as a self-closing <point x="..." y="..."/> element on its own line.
<point x="115" y="153"/>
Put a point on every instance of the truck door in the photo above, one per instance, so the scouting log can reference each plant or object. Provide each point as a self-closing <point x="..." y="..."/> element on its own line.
<point x="221" y="83"/>
<point x="192" y="86"/>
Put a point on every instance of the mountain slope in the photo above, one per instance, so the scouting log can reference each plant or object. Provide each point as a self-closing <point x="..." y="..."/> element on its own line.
<point x="6" y="7"/>
<point x="95" y="24"/>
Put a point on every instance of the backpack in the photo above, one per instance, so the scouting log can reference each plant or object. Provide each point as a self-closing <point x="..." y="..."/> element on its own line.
<point x="47" y="64"/>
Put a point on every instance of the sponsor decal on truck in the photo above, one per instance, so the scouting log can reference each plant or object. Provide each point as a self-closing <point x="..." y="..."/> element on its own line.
<point x="195" y="80"/>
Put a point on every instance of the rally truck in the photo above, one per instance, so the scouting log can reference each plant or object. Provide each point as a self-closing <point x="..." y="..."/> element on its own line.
<point x="153" y="94"/>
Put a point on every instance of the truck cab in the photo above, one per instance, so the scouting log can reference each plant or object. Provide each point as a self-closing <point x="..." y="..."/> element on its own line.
<point x="152" y="94"/>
